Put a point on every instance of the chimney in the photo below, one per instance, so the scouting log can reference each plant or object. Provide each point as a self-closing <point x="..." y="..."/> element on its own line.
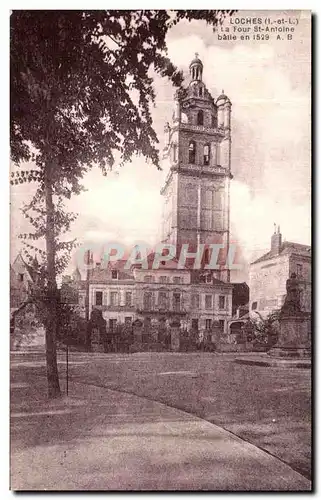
<point x="276" y="241"/>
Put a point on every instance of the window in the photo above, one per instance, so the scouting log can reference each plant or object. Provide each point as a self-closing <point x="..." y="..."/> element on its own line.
<point x="138" y="253"/>
<point x="114" y="275"/>
<point x="162" y="323"/>
<point x="148" y="279"/>
<point x="254" y="306"/>
<point x="221" y="301"/>
<point x="301" y="298"/>
<point x="114" y="298"/>
<point x="177" y="280"/>
<point x="214" y="121"/>
<point x="222" y="324"/>
<point x="217" y="275"/>
<point x="196" y="301"/>
<point x="147" y="301"/>
<point x="208" y="301"/>
<point x="20" y="277"/>
<point x="162" y="300"/>
<point x="201" y="92"/>
<point x="163" y="279"/>
<point x="147" y="322"/>
<point x="177" y="301"/>
<point x="99" y="298"/>
<point x="192" y="152"/>
<point x="206" y="154"/>
<point x="112" y="324"/>
<point x="299" y="270"/>
<point x="128" y="320"/>
<point x="128" y="298"/>
<point x="207" y="256"/>
<point x="174" y="152"/>
<point x="195" y="324"/>
<point x="200" y="118"/>
<point x="208" y="324"/>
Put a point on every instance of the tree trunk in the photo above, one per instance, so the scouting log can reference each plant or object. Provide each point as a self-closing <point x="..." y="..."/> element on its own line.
<point x="52" y="295"/>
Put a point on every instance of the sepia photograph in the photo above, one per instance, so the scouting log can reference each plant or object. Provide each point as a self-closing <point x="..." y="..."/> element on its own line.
<point x="160" y="250"/>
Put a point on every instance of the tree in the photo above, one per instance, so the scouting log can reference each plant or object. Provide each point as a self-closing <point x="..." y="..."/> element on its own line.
<point x="80" y="96"/>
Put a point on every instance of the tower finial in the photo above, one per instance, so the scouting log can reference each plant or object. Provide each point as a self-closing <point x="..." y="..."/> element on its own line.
<point x="196" y="54"/>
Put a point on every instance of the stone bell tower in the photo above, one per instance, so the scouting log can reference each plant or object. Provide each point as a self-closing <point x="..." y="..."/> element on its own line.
<point x="198" y="154"/>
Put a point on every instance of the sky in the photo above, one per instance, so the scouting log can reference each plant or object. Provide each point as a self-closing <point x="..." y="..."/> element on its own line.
<point x="269" y="84"/>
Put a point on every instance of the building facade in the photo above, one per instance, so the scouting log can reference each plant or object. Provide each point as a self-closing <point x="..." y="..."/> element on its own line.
<point x="157" y="297"/>
<point x="269" y="273"/>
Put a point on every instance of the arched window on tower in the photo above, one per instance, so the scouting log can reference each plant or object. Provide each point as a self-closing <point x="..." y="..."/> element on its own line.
<point x="200" y="118"/>
<point x="214" y="121"/>
<point x="174" y="146"/>
<point x="206" y="154"/>
<point x="201" y="92"/>
<point x="191" y="152"/>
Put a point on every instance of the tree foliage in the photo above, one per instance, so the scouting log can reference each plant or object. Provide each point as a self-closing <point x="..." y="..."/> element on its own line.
<point x="81" y="94"/>
<point x="265" y="330"/>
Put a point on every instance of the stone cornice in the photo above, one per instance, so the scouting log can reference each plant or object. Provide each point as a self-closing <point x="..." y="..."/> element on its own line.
<point x="201" y="170"/>
<point x="201" y="129"/>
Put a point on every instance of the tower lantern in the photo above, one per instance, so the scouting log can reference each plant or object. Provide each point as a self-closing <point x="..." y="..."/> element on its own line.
<point x="196" y="68"/>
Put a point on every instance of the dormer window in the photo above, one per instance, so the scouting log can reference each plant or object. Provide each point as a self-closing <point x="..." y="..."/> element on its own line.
<point x="20" y="276"/>
<point x="114" y="275"/>
<point x="192" y="152"/>
<point x="206" y="154"/>
<point x="200" y="118"/>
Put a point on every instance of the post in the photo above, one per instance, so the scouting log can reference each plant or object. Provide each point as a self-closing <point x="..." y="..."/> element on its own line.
<point x="88" y="263"/>
<point x="67" y="369"/>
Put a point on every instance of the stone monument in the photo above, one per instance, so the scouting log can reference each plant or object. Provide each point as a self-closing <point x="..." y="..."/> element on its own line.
<point x="295" y="326"/>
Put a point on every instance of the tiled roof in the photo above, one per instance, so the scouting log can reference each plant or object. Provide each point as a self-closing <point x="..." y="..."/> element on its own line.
<point x="103" y="273"/>
<point x="287" y="248"/>
<point x="163" y="264"/>
<point x="215" y="281"/>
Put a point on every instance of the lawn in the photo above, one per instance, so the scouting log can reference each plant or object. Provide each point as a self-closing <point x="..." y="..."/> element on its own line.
<point x="268" y="406"/>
